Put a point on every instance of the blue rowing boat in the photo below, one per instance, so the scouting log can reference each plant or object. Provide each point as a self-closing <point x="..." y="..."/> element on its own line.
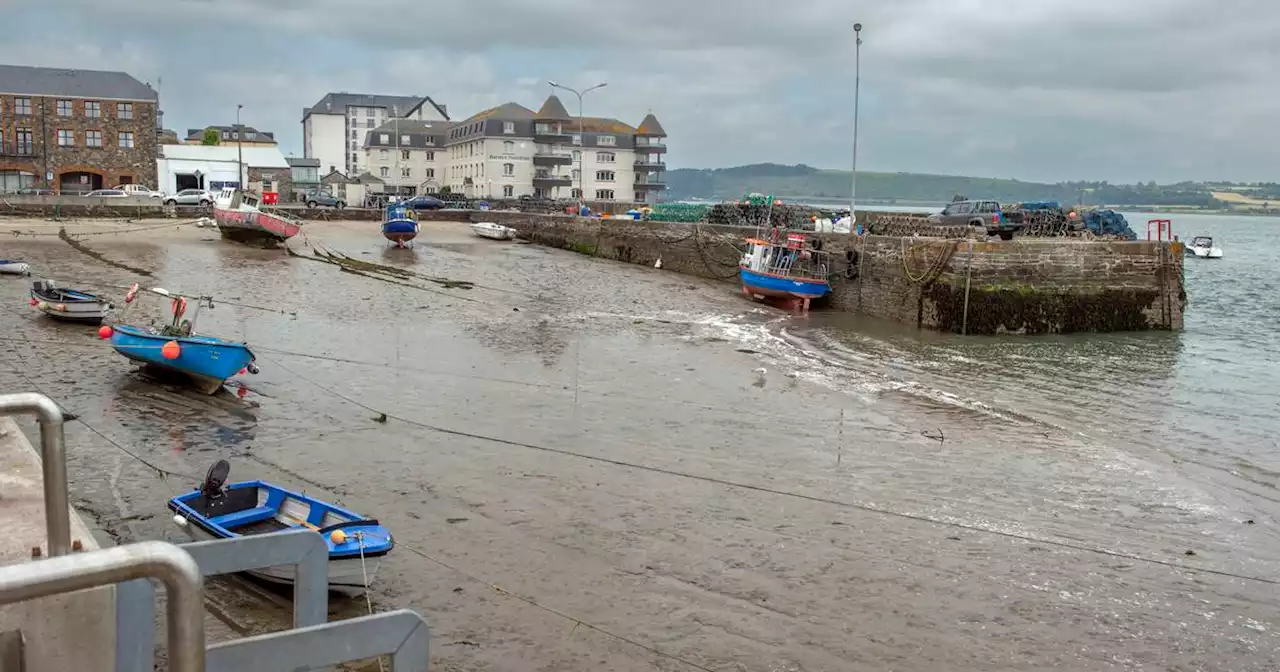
<point x="208" y="361"/>
<point x="218" y="510"/>
<point x="399" y="224"/>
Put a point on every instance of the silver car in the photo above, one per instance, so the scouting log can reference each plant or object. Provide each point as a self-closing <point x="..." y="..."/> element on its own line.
<point x="190" y="197"/>
<point x="106" y="193"/>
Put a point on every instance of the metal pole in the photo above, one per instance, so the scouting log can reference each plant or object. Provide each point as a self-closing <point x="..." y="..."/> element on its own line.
<point x="239" y="150"/>
<point x="184" y="587"/>
<point x="857" y="81"/>
<point x="53" y="463"/>
<point x="582" y="136"/>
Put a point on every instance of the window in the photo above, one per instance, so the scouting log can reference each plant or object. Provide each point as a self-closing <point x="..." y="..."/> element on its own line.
<point x="639" y="197"/>
<point x="368" y="123"/>
<point x="577" y="139"/>
<point x="431" y="156"/>
<point x="64" y="108"/>
<point x="406" y="172"/>
<point x="508" y="169"/>
<point x="508" y="191"/>
<point x="604" y="157"/>
<point x="383" y="139"/>
<point x="404" y="154"/>
<point x="509" y="127"/>
<point x="226" y="135"/>
<point x="604" y="194"/>
<point x="25" y="141"/>
<point x="385" y="171"/>
<point x="66" y="138"/>
<point x="382" y="155"/>
<point x="235" y="135"/>
<point x="577" y="155"/>
<point x="606" y="141"/>
<point x="508" y="147"/>
<point x="22" y="106"/>
<point x="431" y="173"/>
<point x="353" y="157"/>
<point x="577" y="174"/>
<point x="92" y="109"/>
<point x="406" y="140"/>
<point x="353" y="134"/>
<point x="124" y="110"/>
<point x="604" y="176"/>
<point x="368" y="111"/>
<point x="576" y="193"/>
<point x="93" y="138"/>
<point x="249" y="135"/>
<point x="126" y="139"/>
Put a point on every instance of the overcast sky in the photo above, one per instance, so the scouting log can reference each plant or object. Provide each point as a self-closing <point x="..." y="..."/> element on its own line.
<point x="1122" y="90"/>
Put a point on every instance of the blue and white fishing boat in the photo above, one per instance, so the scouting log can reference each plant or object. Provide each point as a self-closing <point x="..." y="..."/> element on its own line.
<point x="218" y="510"/>
<point x="67" y="305"/>
<point x="207" y="361"/>
<point x="14" y="267"/>
<point x="399" y="224"/>
<point x="791" y="271"/>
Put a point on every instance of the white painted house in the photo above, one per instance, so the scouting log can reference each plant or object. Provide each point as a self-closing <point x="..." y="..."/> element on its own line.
<point x="334" y="130"/>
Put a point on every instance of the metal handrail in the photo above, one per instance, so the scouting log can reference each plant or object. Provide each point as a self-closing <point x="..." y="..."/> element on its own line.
<point x="184" y="587"/>
<point x="53" y="463"/>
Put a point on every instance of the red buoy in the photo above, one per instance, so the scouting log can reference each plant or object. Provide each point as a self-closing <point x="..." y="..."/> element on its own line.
<point x="105" y="331"/>
<point x="171" y="350"/>
<point x="34" y="301"/>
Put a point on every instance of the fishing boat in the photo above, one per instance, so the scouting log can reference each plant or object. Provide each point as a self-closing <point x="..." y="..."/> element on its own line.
<point x="218" y="510"/>
<point x="1203" y="247"/>
<point x="493" y="231"/>
<point x="399" y="224"/>
<point x="238" y="219"/>
<point x="791" y="270"/>
<point x="207" y="361"/>
<point x="14" y="267"/>
<point x="68" y="305"/>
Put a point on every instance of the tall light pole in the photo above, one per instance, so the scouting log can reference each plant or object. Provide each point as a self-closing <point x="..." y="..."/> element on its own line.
<point x="582" y="136"/>
<point x="239" y="150"/>
<point x="857" y="81"/>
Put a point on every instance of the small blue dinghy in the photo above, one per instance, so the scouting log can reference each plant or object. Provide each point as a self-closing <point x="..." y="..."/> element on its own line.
<point x="399" y="224"/>
<point x="208" y="361"/>
<point x="218" y="510"/>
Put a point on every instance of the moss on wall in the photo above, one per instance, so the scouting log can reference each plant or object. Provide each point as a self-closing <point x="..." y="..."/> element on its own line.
<point x="1025" y="309"/>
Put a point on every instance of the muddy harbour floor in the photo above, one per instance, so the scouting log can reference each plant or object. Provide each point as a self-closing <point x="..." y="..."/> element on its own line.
<point x="595" y="466"/>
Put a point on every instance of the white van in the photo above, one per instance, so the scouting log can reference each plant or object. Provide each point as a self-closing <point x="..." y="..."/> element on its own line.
<point x="139" y="190"/>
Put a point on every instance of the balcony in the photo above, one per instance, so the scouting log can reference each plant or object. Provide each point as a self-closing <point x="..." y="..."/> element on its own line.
<point x="656" y="186"/>
<point x="656" y="144"/>
<point x="21" y="150"/>
<point x="644" y="163"/>
<point x="552" y="159"/>
<point x="549" y="180"/>
<point x="551" y="135"/>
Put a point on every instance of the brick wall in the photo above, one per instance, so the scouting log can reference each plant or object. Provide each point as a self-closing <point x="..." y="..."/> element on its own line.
<point x="111" y="162"/>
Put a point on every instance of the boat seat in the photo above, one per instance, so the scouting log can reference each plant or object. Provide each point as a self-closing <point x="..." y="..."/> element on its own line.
<point x="254" y="515"/>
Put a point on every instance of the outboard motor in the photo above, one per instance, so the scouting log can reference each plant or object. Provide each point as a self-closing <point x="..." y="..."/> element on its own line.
<point x="215" y="479"/>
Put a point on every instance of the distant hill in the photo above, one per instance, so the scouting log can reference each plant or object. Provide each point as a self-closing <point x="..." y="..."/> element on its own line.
<point x="806" y="183"/>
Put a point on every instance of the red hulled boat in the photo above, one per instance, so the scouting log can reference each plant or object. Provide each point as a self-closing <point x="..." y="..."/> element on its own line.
<point x="238" y="219"/>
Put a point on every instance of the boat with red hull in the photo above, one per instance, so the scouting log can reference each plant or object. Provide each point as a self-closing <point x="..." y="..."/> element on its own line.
<point x="238" y="219"/>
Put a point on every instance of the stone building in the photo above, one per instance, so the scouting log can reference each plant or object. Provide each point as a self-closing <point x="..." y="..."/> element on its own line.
<point x="75" y="130"/>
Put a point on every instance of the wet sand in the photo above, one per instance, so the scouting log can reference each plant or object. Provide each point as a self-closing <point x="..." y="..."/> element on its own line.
<point x="696" y="510"/>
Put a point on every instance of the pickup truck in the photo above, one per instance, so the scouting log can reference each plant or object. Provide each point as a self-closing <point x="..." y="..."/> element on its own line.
<point x="985" y="214"/>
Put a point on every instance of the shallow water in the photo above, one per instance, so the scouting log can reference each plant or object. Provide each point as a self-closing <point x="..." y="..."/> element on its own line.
<point x="698" y="474"/>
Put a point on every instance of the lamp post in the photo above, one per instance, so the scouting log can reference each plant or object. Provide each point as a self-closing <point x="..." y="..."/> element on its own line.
<point x="582" y="136"/>
<point x="857" y="80"/>
<point x="239" y="151"/>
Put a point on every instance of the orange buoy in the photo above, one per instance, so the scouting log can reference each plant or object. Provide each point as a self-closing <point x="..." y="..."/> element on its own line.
<point x="105" y="331"/>
<point x="171" y="350"/>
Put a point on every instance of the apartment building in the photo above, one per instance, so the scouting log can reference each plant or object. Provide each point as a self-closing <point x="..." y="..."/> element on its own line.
<point x="75" y="130"/>
<point x="246" y="136"/>
<point x="510" y="151"/>
<point x="408" y="155"/>
<point x="334" y="130"/>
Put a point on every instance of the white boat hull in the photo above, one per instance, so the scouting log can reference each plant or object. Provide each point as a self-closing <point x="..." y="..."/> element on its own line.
<point x="493" y="231"/>
<point x="1214" y="252"/>
<point x="346" y="575"/>
<point x="14" y="268"/>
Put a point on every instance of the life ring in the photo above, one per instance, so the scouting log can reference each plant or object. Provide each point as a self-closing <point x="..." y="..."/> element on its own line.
<point x="133" y="293"/>
<point x="179" y="306"/>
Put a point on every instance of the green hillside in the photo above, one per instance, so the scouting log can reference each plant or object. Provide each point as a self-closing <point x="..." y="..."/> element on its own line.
<point x="800" y="182"/>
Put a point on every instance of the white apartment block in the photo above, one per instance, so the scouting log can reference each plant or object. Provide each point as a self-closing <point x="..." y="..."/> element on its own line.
<point x="510" y="151"/>
<point x="335" y="129"/>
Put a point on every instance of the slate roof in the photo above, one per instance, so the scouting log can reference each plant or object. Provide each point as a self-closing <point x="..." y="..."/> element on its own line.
<point x="650" y="126"/>
<point x="301" y="162"/>
<point x="73" y="83"/>
<point x="337" y="103"/>
<point x="553" y="109"/>
<point x="419" y="133"/>
<point x="198" y="133"/>
<point x="503" y="111"/>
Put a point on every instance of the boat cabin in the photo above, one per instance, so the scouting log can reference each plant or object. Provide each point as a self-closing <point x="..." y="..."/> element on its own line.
<point x="795" y="257"/>
<point x="1202" y="241"/>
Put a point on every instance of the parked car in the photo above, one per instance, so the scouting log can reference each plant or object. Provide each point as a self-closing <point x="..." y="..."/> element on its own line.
<point x="190" y="197"/>
<point x="107" y="193"/>
<point x="425" y="203"/>
<point x="318" y="198"/>
<point x="138" y="190"/>
<point x="33" y="191"/>
<point x="985" y="214"/>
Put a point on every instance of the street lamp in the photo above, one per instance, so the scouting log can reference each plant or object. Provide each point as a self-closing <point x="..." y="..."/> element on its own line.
<point x="582" y="136"/>
<point x="239" y="150"/>
<point x="857" y="80"/>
